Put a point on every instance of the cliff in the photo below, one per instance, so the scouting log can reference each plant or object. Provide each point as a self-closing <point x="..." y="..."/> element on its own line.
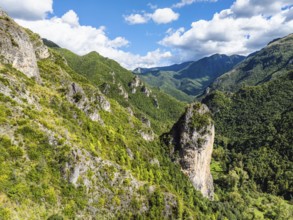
<point x="192" y="138"/>
<point x="20" y="47"/>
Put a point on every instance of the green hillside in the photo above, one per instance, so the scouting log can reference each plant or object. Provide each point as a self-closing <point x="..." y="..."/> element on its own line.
<point x="254" y="130"/>
<point x="57" y="160"/>
<point x="187" y="80"/>
<point x="81" y="138"/>
<point x="111" y="78"/>
<point x="265" y="65"/>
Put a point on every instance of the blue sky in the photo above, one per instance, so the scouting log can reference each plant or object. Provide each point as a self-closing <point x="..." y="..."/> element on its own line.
<point x="143" y="37"/>
<point x="155" y="33"/>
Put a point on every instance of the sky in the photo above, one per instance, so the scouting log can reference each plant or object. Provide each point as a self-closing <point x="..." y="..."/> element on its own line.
<point x="148" y="33"/>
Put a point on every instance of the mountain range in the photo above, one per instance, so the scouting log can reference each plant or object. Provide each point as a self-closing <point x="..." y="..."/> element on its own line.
<point x="83" y="138"/>
<point x="190" y="79"/>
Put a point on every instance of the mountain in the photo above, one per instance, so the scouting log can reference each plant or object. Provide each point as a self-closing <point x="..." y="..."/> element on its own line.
<point x="174" y="68"/>
<point x="265" y="65"/>
<point x="80" y="138"/>
<point x="253" y="129"/>
<point x="49" y="43"/>
<point x="187" y="80"/>
<point x="83" y="138"/>
<point x="253" y="112"/>
<point x="118" y="83"/>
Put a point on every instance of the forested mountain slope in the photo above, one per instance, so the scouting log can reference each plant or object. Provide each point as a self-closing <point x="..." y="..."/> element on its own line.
<point x="265" y="65"/>
<point x="187" y="80"/>
<point x="68" y="151"/>
<point x="81" y="138"/>
<point x="120" y="84"/>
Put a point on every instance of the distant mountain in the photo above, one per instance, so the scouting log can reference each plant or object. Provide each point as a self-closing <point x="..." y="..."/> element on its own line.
<point x="273" y="60"/>
<point x="175" y="68"/>
<point x="49" y="43"/>
<point x="212" y="66"/>
<point x="187" y="80"/>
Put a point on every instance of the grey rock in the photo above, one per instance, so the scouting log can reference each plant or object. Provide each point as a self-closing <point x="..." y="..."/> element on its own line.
<point x="155" y="162"/>
<point x="129" y="110"/>
<point x="194" y="143"/>
<point x="130" y="154"/>
<point x="134" y="84"/>
<point x="146" y="91"/>
<point x="156" y="102"/>
<point x="16" y="47"/>
<point x="104" y="103"/>
<point x="95" y="116"/>
<point x="147" y="135"/>
<point x="122" y="91"/>
<point x="106" y="88"/>
<point x="146" y="121"/>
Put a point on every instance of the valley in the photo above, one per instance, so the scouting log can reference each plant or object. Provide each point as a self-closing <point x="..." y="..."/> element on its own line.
<point x="81" y="137"/>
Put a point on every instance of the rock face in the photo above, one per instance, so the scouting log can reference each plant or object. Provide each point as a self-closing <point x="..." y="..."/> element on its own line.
<point x="16" y="47"/>
<point x="134" y="84"/>
<point x="193" y="137"/>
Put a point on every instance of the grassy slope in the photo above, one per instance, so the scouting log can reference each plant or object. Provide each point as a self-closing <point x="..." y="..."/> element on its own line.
<point x="248" y="200"/>
<point x="42" y="133"/>
<point x="39" y="139"/>
<point x="98" y="70"/>
<point x="267" y="64"/>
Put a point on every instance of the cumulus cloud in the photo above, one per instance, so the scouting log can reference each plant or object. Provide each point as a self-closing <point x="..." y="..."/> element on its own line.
<point x="160" y="16"/>
<point x="137" y="18"/>
<point x="70" y="18"/>
<point x="68" y="33"/>
<point x="164" y="16"/>
<point x="27" y="9"/>
<point x="248" y="8"/>
<point x="189" y="2"/>
<point x="233" y="31"/>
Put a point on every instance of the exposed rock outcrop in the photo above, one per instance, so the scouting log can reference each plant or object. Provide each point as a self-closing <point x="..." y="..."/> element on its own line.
<point x="146" y="91"/>
<point x="146" y="121"/>
<point x="147" y="135"/>
<point x="122" y="91"/>
<point x="16" y="47"/>
<point x="90" y="106"/>
<point x="104" y="103"/>
<point x="134" y="84"/>
<point x="193" y="137"/>
<point x="156" y="102"/>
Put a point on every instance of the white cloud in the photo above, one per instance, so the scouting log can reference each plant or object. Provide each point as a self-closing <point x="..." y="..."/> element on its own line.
<point x="70" y="18"/>
<point x="68" y="33"/>
<point x="232" y="31"/>
<point x="248" y="8"/>
<point x="164" y="16"/>
<point x="137" y="18"/>
<point x="189" y="2"/>
<point x="160" y="16"/>
<point x="27" y="9"/>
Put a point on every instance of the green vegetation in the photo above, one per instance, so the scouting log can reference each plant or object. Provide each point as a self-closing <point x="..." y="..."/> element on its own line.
<point x="263" y="66"/>
<point x="253" y="149"/>
<point x="199" y="122"/>
<point x="44" y="137"/>
<point x="188" y="80"/>
<point x="64" y="157"/>
<point x="105" y="73"/>
<point x="254" y="127"/>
